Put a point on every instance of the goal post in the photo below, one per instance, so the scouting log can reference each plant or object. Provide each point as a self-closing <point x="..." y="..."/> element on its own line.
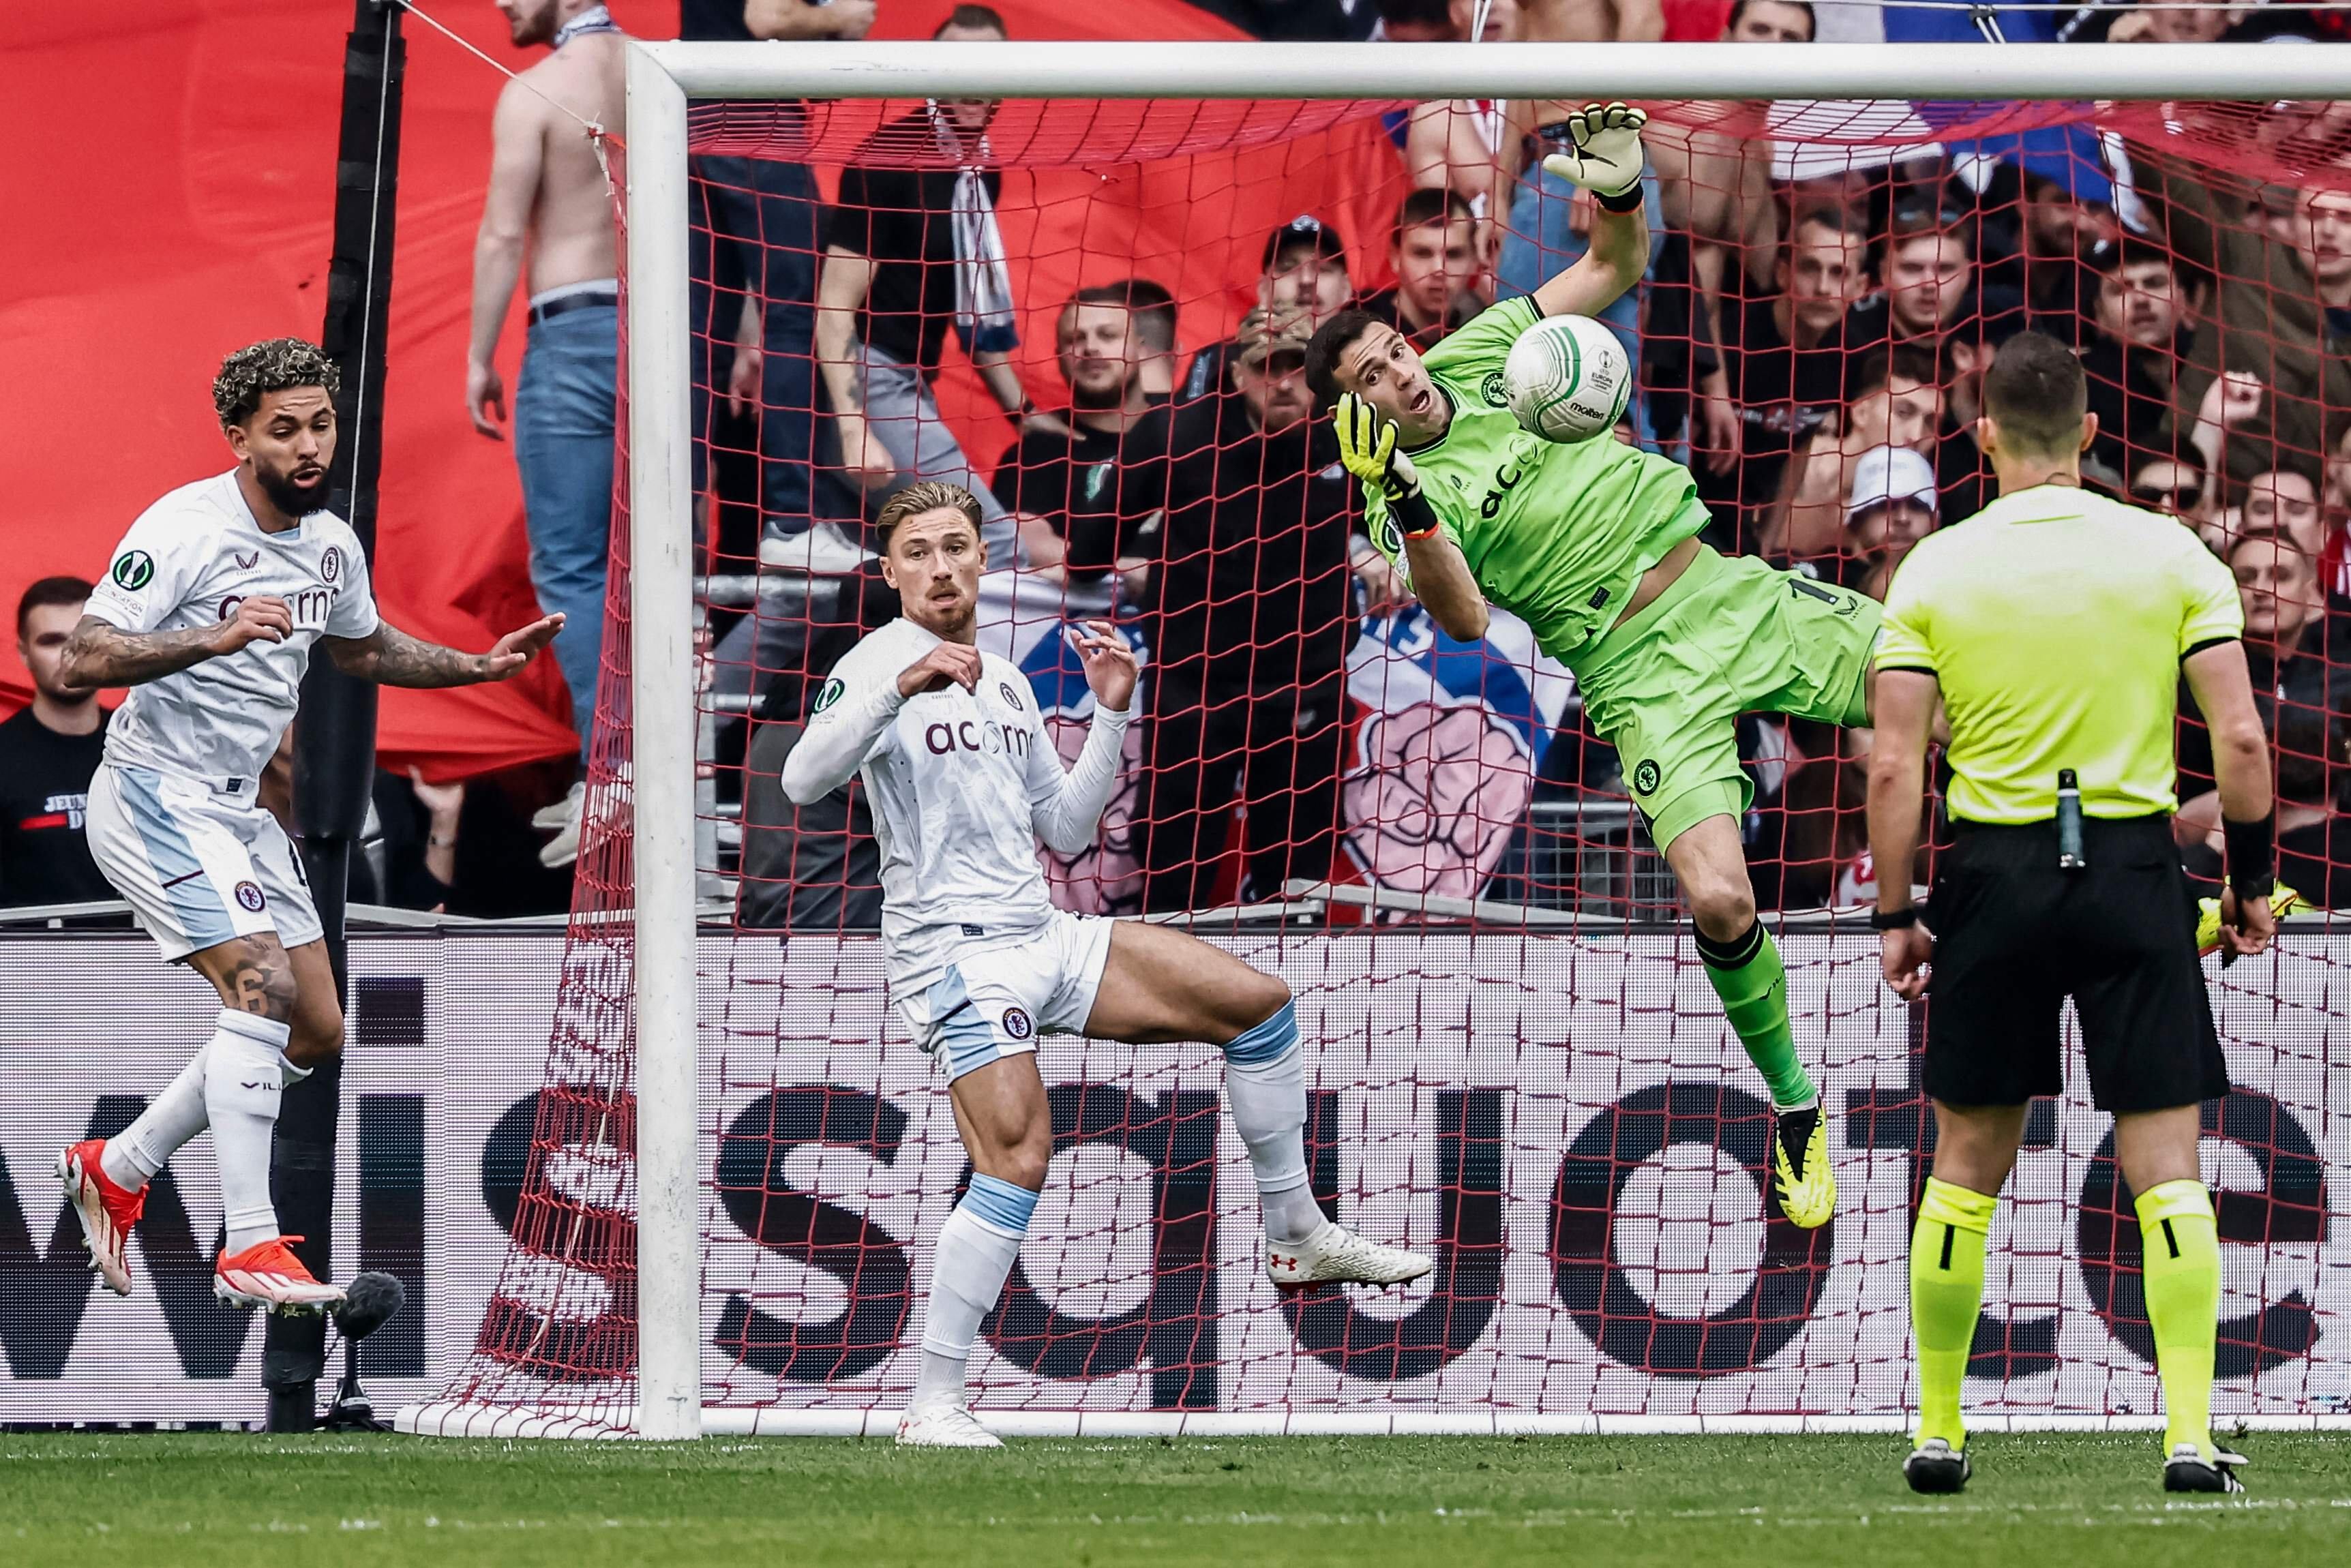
<point x="665" y="1003"/>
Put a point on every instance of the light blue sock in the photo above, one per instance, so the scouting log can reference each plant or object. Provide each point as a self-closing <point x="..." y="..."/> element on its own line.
<point x="1265" y="1083"/>
<point x="976" y="1249"/>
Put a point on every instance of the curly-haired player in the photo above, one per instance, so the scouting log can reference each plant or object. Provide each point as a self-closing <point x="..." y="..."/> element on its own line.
<point x="964" y="781"/>
<point x="209" y="610"/>
<point x="1595" y="545"/>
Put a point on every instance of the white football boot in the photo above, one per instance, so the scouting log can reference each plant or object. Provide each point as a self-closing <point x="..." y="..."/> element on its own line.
<point x="1335" y="1255"/>
<point x="943" y="1424"/>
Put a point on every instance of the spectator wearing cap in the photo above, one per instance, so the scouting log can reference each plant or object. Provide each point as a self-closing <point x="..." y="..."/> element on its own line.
<point x="1252" y="618"/>
<point x="48" y="751"/>
<point x="1063" y="488"/>
<point x="910" y="253"/>
<point x="1896" y="401"/>
<point x="2145" y="318"/>
<point x="1892" y="506"/>
<point x="1434" y="251"/>
<point x="1304" y="268"/>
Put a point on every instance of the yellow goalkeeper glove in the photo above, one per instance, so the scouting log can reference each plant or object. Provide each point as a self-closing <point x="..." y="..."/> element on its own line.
<point x="1606" y="156"/>
<point x="2283" y="901"/>
<point x="1367" y="449"/>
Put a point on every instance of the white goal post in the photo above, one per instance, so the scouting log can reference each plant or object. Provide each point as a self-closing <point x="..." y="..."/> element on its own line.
<point x="662" y="79"/>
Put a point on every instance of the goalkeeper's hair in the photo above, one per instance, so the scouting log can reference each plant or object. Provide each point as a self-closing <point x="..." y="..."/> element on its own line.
<point x="2035" y="392"/>
<point x="924" y="495"/>
<point x="1330" y="339"/>
<point x="271" y="365"/>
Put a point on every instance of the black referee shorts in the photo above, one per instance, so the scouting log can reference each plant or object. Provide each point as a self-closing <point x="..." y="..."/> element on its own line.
<point x="2015" y="936"/>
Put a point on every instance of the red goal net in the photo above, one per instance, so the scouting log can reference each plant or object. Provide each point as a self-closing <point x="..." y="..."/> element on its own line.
<point x="1091" y="313"/>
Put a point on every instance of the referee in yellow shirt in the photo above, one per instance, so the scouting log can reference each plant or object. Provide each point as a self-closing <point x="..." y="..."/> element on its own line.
<point x="2054" y="626"/>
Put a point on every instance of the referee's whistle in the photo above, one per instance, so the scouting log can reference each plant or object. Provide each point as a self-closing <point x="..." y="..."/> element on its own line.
<point x="2069" y="822"/>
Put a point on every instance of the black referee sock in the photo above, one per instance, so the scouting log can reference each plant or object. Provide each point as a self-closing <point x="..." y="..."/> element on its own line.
<point x="1746" y="974"/>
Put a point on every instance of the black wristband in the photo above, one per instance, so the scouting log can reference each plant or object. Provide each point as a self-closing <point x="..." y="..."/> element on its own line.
<point x="1893" y="919"/>
<point x="2251" y="850"/>
<point x="1415" y="518"/>
<point x="1630" y="202"/>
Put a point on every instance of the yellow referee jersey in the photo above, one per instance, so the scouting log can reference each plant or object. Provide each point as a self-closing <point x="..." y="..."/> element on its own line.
<point x="2055" y="620"/>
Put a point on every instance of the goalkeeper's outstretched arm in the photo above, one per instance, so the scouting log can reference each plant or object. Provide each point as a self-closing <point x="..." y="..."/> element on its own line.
<point x="1604" y="156"/>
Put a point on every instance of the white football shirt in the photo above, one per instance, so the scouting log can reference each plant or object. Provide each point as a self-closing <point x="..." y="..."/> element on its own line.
<point x="188" y="561"/>
<point x="962" y="785"/>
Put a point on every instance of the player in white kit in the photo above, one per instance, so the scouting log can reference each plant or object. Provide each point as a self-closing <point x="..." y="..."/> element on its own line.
<point x="963" y="779"/>
<point x="210" y="610"/>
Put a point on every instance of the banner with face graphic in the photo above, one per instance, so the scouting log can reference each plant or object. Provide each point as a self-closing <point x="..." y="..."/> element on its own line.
<point x="1444" y="739"/>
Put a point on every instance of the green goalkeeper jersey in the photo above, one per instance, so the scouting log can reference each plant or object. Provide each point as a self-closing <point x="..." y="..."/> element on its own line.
<point x="1556" y="534"/>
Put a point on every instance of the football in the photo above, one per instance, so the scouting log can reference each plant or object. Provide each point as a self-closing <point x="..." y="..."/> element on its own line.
<point x="1567" y="379"/>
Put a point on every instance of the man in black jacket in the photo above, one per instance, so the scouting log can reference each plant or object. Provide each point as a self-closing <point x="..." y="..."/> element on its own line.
<point x="1251" y="619"/>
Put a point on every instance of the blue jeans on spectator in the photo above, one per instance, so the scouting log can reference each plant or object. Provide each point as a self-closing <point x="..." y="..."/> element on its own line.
<point x="563" y="412"/>
<point x="766" y="212"/>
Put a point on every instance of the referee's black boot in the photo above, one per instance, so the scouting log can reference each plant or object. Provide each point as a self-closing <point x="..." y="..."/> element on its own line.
<point x="2188" y="1470"/>
<point x="1936" y="1467"/>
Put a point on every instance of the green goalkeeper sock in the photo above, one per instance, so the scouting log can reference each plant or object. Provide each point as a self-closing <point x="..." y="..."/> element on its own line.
<point x="2183" y="1249"/>
<point x="1947" y="1270"/>
<point x="1746" y="974"/>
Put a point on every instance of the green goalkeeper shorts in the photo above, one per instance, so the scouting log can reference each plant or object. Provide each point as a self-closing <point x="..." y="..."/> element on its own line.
<point x="1732" y="635"/>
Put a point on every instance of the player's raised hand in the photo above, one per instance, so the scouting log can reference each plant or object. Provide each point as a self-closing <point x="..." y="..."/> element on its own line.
<point x="262" y="618"/>
<point x="1109" y="662"/>
<point x="1606" y="156"/>
<point x="513" y="651"/>
<point x="1367" y="448"/>
<point x="949" y="664"/>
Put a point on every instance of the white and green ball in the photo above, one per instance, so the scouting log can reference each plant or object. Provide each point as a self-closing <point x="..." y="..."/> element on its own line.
<point x="1568" y="379"/>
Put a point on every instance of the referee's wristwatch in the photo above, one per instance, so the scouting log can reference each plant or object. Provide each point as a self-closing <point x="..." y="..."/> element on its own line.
<point x="1900" y="919"/>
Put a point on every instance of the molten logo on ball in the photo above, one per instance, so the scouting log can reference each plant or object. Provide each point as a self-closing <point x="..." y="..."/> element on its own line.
<point x="1568" y="379"/>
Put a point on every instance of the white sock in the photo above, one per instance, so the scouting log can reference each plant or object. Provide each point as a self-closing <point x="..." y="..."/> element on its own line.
<point x="977" y="1247"/>
<point x="1264" y="1084"/>
<point x="134" y="1156"/>
<point x="244" y="1072"/>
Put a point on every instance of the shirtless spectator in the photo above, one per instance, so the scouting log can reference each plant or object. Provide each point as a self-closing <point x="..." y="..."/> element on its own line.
<point x="1723" y="232"/>
<point x="549" y="197"/>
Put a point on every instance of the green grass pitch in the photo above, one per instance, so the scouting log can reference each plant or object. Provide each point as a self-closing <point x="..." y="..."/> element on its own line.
<point x="1370" y="1502"/>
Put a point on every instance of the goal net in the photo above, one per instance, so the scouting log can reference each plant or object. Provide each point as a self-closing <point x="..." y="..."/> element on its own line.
<point x="1515" y="1060"/>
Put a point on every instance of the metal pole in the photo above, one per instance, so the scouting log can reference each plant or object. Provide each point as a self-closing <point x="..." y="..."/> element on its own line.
<point x="662" y="732"/>
<point x="334" y="759"/>
<point x="1982" y="72"/>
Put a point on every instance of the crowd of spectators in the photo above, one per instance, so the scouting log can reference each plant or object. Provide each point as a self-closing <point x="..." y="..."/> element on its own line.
<point x="1811" y="344"/>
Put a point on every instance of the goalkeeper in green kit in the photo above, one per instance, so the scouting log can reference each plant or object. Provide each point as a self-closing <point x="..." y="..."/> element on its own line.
<point x="1595" y="546"/>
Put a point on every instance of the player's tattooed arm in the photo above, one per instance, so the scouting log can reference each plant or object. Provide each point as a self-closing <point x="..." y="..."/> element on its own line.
<point x="100" y="654"/>
<point x="390" y="657"/>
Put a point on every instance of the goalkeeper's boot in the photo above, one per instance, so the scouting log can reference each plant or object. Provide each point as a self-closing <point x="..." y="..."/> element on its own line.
<point x="2192" y="1468"/>
<point x="944" y="1424"/>
<point x="1934" y="1466"/>
<point x="1801" y="1169"/>
<point x="1335" y="1255"/>
<point x="2283" y="901"/>
<point x="267" y="1275"/>
<point x="106" y="1212"/>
